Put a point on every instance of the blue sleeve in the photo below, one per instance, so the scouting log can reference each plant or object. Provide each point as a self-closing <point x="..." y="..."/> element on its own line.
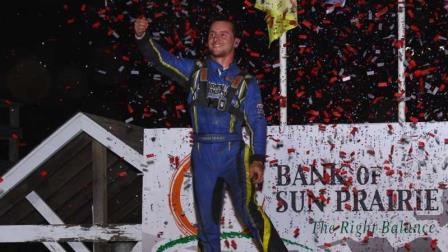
<point x="255" y="121"/>
<point x="176" y="68"/>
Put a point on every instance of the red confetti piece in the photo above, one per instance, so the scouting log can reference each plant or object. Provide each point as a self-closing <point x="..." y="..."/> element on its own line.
<point x="280" y="204"/>
<point x="382" y="12"/>
<point x="43" y="173"/>
<point x="180" y="107"/>
<point x="322" y="127"/>
<point x="96" y="25"/>
<point x="119" y="18"/>
<point x="412" y="64"/>
<point x="291" y="150"/>
<point x="7" y="102"/>
<point x="233" y="244"/>
<point x="247" y="3"/>
<point x="333" y="80"/>
<point x="158" y="14"/>
<point x="399" y="43"/>
<point x="130" y="109"/>
<point x="254" y="54"/>
<point x="1" y="179"/>
<point x="273" y="162"/>
<point x="389" y="172"/>
<point x="443" y="185"/>
<point x="421" y="144"/>
<point x="390" y="127"/>
<point x="382" y="84"/>
<point x="326" y="178"/>
<point x="336" y="114"/>
<point x="327" y="245"/>
<point x="424" y="72"/>
<point x="300" y="93"/>
<point x="413" y="119"/>
<point x="296" y="232"/>
<point x="407" y="246"/>
<point x="283" y="102"/>
<point x="313" y="112"/>
<point x="151" y="155"/>
<point x="259" y="33"/>
<point x="348" y="206"/>
<point x="122" y="174"/>
<point x="434" y="244"/>
<point x="174" y="160"/>
<point x="365" y="239"/>
<point x="14" y="136"/>
<point x="307" y="24"/>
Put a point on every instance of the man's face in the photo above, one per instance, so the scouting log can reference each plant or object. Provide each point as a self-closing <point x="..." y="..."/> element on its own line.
<point x="221" y="39"/>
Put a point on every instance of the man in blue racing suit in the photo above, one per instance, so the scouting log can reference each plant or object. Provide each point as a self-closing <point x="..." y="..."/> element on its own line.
<point x="222" y="100"/>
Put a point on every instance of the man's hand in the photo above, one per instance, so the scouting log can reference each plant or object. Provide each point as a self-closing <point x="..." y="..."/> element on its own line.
<point x="140" y="26"/>
<point x="256" y="172"/>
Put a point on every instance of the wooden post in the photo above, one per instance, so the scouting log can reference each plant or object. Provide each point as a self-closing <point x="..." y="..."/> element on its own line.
<point x="49" y="215"/>
<point x="69" y="233"/>
<point x="99" y="184"/>
<point x="123" y="246"/>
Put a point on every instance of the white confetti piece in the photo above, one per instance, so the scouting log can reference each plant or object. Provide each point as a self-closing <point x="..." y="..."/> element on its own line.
<point x="130" y="119"/>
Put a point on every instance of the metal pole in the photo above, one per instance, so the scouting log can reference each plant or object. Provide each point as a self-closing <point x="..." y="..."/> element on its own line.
<point x="283" y="83"/>
<point x="401" y="61"/>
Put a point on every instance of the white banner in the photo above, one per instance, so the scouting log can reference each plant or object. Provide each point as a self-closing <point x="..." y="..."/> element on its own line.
<point x="347" y="187"/>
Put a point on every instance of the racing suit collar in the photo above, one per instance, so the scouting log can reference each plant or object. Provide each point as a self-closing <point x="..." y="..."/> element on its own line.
<point x="232" y="70"/>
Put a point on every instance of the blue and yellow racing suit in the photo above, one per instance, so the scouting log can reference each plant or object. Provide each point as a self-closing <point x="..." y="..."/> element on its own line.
<point x="221" y="102"/>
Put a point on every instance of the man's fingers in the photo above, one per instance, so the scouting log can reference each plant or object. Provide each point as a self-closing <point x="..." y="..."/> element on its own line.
<point x="256" y="176"/>
<point x="259" y="179"/>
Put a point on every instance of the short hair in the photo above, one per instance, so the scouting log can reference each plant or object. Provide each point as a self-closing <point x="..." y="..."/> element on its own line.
<point x="235" y="29"/>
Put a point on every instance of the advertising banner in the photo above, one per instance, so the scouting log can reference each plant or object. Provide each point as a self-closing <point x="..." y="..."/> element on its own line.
<point x="342" y="187"/>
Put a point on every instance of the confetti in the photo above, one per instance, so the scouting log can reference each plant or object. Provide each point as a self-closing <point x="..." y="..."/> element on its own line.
<point x="122" y="173"/>
<point x="43" y="173"/>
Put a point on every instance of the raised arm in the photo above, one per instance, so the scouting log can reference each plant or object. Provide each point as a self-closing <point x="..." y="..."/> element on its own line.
<point x="176" y="68"/>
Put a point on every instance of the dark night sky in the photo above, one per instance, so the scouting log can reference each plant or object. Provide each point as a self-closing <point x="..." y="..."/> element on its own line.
<point x="61" y="57"/>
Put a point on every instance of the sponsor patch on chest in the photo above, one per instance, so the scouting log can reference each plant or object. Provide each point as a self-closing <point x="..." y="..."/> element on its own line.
<point x="216" y="90"/>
